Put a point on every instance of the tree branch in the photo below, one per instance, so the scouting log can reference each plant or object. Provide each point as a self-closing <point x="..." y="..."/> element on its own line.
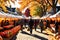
<point x="46" y="2"/>
<point x="49" y="3"/>
<point x="53" y="2"/>
<point x="56" y="2"/>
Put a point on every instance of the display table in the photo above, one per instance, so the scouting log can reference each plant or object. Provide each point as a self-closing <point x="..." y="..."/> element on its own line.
<point x="10" y="32"/>
<point x="8" y="26"/>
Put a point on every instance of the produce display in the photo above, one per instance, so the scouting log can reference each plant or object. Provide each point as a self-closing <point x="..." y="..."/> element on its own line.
<point x="11" y="32"/>
<point x="9" y="26"/>
<point x="8" y="30"/>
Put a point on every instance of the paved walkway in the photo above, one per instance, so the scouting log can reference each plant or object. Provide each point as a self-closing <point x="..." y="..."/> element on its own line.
<point x="25" y="35"/>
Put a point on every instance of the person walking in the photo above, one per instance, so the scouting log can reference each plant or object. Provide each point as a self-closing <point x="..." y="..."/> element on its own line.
<point x="31" y="23"/>
<point x="2" y="22"/>
<point x="56" y="24"/>
<point x="14" y="23"/>
<point x="22" y="22"/>
<point x="47" y="24"/>
<point x="35" y="24"/>
<point x="41" y="25"/>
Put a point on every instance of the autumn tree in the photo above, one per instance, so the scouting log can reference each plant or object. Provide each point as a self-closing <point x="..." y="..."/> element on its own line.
<point x="53" y="4"/>
<point x="35" y="9"/>
<point x="44" y="6"/>
<point x="38" y="11"/>
<point x="2" y="5"/>
<point x="25" y="3"/>
<point x="34" y="6"/>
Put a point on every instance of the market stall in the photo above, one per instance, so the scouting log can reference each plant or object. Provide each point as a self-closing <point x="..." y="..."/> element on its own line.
<point x="7" y="28"/>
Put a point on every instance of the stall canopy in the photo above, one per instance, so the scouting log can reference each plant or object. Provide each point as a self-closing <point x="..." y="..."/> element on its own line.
<point x="55" y="15"/>
<point x="6" y="15"/>
<point x="45" y="16"/>
<point x="36" y="17"/>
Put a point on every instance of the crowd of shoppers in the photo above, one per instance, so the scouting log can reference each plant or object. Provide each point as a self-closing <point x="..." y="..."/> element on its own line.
<point x="43" y="24"/>
<point x="54" y="25"/>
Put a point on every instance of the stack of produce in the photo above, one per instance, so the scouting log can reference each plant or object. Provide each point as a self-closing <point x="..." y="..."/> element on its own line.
<point x="9" y="33"/>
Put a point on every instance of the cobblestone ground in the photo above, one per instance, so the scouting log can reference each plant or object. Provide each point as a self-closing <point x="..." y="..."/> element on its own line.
<point x="25" y="35"/>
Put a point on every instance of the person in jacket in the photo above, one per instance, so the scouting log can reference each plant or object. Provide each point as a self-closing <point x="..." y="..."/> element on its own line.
<point x="2" y="22"/>
<point x="6" y="23"/>
<point x="47" y="24"/>
<point x="31" y="23"/>
<point x="21" y="23"/>
<point x="35" y="24"/>
<point x="41" y="25"/>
